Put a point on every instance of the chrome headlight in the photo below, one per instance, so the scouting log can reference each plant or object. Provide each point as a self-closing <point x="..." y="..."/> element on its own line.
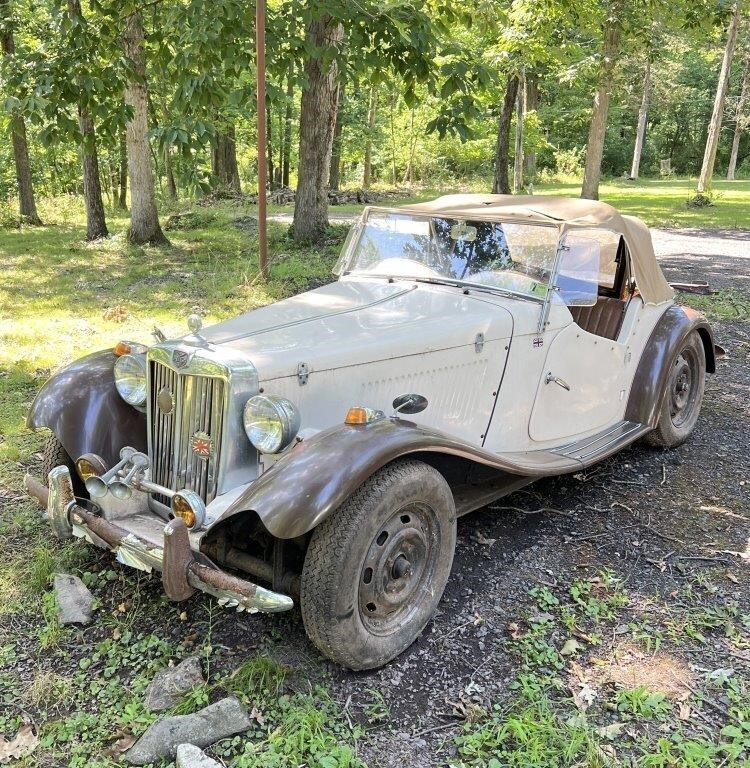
<point x="130" y="378"/>
<point x="271" y="422"/>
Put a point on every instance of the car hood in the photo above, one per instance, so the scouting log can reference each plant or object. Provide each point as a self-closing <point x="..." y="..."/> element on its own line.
<point x="351" y="322"/>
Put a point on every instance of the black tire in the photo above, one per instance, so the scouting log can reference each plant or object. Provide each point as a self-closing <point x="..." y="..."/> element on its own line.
<point x="54" y="455"/>
<point x="376" y="569"/>
<point x="681" y="401"/>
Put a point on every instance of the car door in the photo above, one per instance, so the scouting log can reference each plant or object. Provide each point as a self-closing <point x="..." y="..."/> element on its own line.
<point x="583" y="384"/>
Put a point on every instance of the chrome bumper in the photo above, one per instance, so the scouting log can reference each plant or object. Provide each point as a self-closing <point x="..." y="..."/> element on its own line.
<point x="183" y="571"/>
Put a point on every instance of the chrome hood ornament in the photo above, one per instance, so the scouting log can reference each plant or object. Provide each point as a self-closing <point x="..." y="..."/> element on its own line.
<point x="194" y="338"/>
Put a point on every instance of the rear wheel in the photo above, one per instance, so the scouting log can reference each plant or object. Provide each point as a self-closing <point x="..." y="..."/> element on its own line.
<point x="376" y="568"/>
<point x="681" y="403"/>
<point x="54" y="455"/>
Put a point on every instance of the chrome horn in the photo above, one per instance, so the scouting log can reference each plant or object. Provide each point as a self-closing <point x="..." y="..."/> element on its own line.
<point x="97" y="486"/>
<point x="122" y="489"/>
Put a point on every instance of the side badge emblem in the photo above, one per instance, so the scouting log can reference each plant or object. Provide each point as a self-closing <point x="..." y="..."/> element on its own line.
<point x="180" y="358"/>
<point x="537" y="342"/>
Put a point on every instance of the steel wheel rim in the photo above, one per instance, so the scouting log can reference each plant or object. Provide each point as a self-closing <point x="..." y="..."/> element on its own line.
<point x="400" y="561"/>
<point x="683" y="387"/>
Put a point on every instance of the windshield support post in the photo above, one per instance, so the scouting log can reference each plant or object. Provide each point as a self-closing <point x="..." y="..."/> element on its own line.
<point x="551" y="288"/>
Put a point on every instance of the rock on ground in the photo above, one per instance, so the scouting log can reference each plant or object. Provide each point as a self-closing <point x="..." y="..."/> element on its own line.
<point x="189" y="756"/>
<point x="217" y="721"/>
<point x="74" y="601"/>
<point x="172" y="683"/>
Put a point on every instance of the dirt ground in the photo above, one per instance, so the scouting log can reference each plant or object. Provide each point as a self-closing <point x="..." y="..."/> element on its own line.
<point x="657" y="519"/>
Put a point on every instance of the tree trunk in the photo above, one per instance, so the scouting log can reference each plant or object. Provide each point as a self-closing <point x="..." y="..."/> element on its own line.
<point x="122" y="195"/>
<point x="169" y="173"/>
<point x="598" y="127"/>
<point x="288" y="128"/>
<point x="226" y="174"/>
<point x="518" y="151"/>
<point x="96" y="224"/>
<point x="640" y="135"/>
<point x="501" y="184"/>
<point x="317" y="121"/>
<point x="714" y="127"/>
<point x="269" y="147"/>
<point x="144" y="219"/>
<point x="739" y="123"/>
<point x="532" y="105"/>
<point x="372" y="109"/>
<point x="26" y="200"/>
<point x="409" y="172"/>
<point x="334" y="173"/>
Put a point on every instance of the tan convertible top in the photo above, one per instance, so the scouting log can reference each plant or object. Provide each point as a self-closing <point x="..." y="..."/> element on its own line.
<point x="567" y="213"/>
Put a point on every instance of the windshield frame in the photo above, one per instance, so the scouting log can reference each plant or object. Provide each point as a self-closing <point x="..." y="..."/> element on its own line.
<point x="358" y="229"/>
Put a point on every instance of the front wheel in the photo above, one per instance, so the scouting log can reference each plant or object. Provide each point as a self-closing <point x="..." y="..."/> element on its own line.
<point x="681" y="403"/>
<point x="376" y="569"/>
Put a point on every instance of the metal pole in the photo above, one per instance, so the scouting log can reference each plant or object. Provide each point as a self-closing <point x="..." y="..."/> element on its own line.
<point x="260" y="57"/>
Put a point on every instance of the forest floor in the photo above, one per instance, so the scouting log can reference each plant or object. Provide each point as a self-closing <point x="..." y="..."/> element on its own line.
<point x="614" y="629"/>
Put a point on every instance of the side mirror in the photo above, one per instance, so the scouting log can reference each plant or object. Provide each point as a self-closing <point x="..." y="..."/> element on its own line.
<point x="410" y="404"/>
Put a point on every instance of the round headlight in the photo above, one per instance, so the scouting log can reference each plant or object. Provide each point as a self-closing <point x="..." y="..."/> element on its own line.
<point x="271" y="422"/>
<point x="130" y="378"/>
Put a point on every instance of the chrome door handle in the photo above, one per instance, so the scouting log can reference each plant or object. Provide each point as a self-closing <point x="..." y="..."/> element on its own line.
<point x="549" y="378"/>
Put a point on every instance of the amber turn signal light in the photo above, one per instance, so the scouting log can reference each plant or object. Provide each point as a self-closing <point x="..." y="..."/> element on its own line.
<point x="358" y="416"/>
<point x="122" y="348"/>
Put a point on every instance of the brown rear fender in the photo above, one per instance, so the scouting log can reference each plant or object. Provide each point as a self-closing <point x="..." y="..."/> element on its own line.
<point x="650" y="381"/>
<point x="81" y="406"/>
<point x="318" y="474"/>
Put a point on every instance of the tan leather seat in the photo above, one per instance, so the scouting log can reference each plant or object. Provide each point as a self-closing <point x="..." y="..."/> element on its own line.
<point x="602" y="319"/>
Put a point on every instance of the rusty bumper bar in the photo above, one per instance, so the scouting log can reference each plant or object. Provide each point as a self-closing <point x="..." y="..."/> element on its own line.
<point x="182" y="573"/>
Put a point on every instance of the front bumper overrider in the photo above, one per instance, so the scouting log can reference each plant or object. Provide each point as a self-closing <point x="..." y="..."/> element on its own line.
<point x="183" y="571"/>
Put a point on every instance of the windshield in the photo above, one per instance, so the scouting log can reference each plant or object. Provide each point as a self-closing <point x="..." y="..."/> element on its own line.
<point x="504" y="255"/>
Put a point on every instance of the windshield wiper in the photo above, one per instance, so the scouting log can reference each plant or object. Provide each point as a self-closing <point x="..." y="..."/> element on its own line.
<point x="475" y="286"/>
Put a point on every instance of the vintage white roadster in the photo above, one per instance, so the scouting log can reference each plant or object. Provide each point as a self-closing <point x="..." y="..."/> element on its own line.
<point x="325" y="445"/>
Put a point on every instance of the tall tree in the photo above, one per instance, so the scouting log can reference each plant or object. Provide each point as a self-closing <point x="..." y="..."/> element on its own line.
<point x="372" y="111"/>
<point x="287" y="139"/>
<point x="17" y="124"/>
<point x="144" y="219"/>
<point x="612" y="30"/>
<point x="224" y="167"/>
<point x="714" y="126"/>
<point x="532" y="105"/>
<point x="334" y="174"/>
<point x="317" y="122"/>
<point x="740" y="121"/>
<point x="501" y="183"/>
<point x="96" y="224"/>
<point x="640" y="135"/>
<point x="518" y="153"/>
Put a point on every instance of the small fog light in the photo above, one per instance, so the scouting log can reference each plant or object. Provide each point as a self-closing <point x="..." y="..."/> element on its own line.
<point x="90" y="465"/>
<point x="189" y="507"/>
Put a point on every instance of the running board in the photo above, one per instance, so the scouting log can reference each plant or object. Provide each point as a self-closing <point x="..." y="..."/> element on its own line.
<point x="572" y="457"/>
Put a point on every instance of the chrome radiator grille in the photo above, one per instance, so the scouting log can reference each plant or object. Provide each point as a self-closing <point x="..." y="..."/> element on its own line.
<point x="186" y="416"/>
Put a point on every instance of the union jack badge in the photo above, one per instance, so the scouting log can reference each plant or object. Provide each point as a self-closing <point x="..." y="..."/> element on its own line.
<point x="538" y="341"/>
<point x="201" y="444"/>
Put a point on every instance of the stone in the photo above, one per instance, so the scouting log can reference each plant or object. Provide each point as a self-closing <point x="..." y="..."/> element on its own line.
<point x="217" y="721"/>
<point x="74" y="601"/>
<point x="189" y="756"/>
<point x="171" y="683"/>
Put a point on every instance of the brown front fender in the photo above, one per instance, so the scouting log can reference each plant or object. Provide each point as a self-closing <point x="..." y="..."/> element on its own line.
<point x="652" y="373"/>
<point x="83" y="409"/>
<point x="318" y="474"/>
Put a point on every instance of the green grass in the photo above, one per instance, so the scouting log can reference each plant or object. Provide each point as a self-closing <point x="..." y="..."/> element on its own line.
<point x="61" y="298"/>
<point x="659" y="202"/>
